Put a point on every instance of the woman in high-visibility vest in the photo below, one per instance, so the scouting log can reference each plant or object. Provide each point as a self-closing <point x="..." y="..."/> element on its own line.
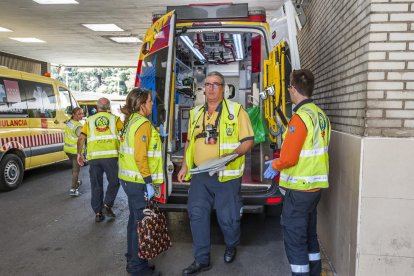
<point x="72" y="132"/>
<point x="140" y="166"/>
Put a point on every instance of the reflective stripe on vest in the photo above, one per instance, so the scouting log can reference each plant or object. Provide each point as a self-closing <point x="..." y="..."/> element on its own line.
<point x="299" y="268"/>
<point x="71" y="138"/>
<point x="134" y="174"/>
<point x="102" y="137"/>
<point x="102" y="153"/>
<point x="312" y="168"/>
<point x="227" y="143"/>
<point x="314" y="152"/>
<point x="102" y="140"/>
<point x="308" y="179"/>
<point x="128" y="170"/>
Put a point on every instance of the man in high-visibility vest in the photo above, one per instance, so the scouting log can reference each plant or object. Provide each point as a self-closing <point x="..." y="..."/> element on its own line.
<point x="101" y="131"/>
<point x="215" y="129"/>
<point x="304" y="168"/>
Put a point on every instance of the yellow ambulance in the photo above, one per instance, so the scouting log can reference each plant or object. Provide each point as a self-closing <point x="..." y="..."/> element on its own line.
<point x="33" y="113"/>
<point x="181" y="48"/>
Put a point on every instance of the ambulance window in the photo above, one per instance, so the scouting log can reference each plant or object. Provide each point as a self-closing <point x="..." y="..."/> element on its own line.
<point x="12" y="99"/>
<point x="66" y="101"/>
<point x="41" y="99"/>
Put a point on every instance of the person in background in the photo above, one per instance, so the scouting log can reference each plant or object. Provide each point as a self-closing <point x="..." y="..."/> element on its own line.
<point x="102" y="134"/>
<point x="72" y="132"/>
<point x="140" y="166"/>
<point x="218" y="128"/>
<point x="304" y="168"/>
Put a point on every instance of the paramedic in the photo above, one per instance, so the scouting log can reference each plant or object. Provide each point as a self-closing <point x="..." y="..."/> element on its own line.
<point x="304" y="167"/>
<point x="217" y="128"/>
<point x="101" y="132"/>
<point x="72" y="132"/>
<point x="140" y="166"/>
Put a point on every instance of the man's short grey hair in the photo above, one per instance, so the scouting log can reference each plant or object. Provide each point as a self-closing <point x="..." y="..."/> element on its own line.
<point x="103" y="104"/>
<point x="218" y="74"/>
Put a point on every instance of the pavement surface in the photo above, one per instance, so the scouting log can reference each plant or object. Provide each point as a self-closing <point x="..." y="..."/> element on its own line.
<point x="44" y="231"/>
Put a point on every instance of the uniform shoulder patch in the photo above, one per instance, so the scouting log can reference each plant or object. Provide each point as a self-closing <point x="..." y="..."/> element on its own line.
<point x="291" y="129"/>
<point x="144" y="138"/>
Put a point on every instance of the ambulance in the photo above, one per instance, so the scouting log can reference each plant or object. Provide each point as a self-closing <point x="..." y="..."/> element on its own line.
<point x="186" y="43"/>
<point x="87" y="101"/>
<point x="33" y="113"/>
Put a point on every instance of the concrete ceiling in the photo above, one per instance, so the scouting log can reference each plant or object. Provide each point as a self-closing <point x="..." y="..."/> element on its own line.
<point x="69" y="43"/>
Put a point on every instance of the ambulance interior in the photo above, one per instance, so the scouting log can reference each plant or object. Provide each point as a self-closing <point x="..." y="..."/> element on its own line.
<point x="235" y="53"/>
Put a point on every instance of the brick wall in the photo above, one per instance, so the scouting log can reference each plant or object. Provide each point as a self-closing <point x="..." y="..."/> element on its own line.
<point x="362" y="55"/>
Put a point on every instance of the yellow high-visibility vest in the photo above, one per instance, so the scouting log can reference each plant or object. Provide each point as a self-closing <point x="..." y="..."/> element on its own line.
<point x="128" y="170"/>
<point x="103" y="139"/>
<point x="71" y="137"/>
<point x="228" y="139"/>
<point x="312" y="169"/>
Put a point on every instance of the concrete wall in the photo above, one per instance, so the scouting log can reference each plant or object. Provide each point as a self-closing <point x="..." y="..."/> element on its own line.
<point x="386" y="215"/>
<point x="365" y="219"/>
<point x="338" y="209"/>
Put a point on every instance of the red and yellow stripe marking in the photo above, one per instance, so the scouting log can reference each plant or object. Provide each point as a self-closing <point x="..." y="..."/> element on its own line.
<point x="30" y="141"/>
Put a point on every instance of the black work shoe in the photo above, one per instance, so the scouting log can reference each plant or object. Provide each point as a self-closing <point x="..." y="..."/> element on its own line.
<point x="230" y="254"/>
<point x="196" y="268"/>
<point x="150" y="266"/>
<point x="99" y="217"/>
<point x="108" y="211"/>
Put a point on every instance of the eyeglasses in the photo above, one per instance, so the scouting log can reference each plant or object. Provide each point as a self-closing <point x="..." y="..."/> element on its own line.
<point x="214" y="85"/>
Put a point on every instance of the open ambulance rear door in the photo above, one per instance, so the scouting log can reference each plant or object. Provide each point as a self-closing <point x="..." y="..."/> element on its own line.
<point x="155" y="72"/>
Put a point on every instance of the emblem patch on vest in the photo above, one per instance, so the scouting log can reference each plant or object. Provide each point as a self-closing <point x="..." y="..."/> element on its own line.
<point x="102" y="124"/>
<point x="322" y="124"/>
<point x="229" y="131"/>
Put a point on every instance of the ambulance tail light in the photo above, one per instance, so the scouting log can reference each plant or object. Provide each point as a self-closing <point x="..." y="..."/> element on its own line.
<point x="273" y="200"/>
<point x="257" y="14"/>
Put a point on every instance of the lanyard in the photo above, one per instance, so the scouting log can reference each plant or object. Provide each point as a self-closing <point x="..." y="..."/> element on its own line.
<point x="217" y="119"/>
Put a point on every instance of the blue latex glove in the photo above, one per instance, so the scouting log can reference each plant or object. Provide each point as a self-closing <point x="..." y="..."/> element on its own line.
<point x="150" y="191"/>
<point x="270" y="173"/>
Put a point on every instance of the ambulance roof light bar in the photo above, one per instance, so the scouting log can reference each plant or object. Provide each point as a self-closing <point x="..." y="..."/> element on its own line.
<point x="189" y="44"/>
<point x="217" y="12"/>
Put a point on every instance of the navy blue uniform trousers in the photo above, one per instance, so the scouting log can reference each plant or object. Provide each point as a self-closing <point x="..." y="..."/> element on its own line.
<point x="136" y="204"/>
<point x="299" y="231"/>
<point x="97" y="168"/>
<point x="206" y="193"/>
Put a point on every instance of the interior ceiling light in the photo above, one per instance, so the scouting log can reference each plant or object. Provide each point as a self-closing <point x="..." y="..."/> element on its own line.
<point x="103" y="27"/>
<point x="5" y="30"/>
<point x="239" y="46"/>
<point x="125" y="39"/>
<point x="189" y="44"/>
<point x="28" y="39"/>
<point x="53" y="2"/>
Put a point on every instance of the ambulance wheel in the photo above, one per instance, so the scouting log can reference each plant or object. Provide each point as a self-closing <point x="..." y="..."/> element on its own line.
<point x="11" y="169"/>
